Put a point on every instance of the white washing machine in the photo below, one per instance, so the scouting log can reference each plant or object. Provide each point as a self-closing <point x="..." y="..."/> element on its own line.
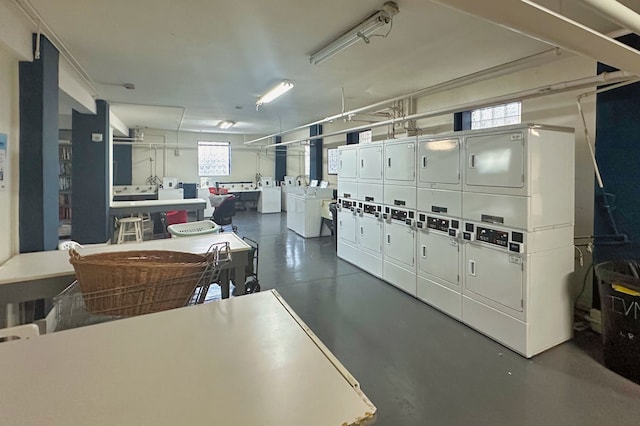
<point x="347" y="224"/>
<point x="516" y="285"/>
<point x="400" y="173"/>
<point x="369" y="238"/>
<point x="270" y="200"/>
<point x="399" y="247"/>
<point x="370" y="172"/>
<point x="438" y="269"/>
<point x="519" y="176"/>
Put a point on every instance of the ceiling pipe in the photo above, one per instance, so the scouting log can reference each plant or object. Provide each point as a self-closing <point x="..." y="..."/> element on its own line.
<point x="604" y="78"/>
<point x="507" y="67"/>
<point x="616" y="12"/>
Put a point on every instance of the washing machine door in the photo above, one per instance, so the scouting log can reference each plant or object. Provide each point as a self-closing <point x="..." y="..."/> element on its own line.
<point x="370" y="234"/>
<point x="400" y="244"/>
<point x="347" y="226"/>
<point x="494" y="276"/>
<point x="438" y="255"/>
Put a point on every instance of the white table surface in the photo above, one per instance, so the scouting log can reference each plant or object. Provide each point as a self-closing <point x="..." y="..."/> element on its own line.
<point x="155" y="203"/>
<point x="243" y="361"/>
<point x="41" y="267"/>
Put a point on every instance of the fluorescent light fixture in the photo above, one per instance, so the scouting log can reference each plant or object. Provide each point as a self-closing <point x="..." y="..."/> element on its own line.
<point x="283" y="87"/>
<point x="362" y="31"/>
<point x="226" y="124"/>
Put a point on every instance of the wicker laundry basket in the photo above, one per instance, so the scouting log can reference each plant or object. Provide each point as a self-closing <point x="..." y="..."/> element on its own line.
<point x="129" y="283"/>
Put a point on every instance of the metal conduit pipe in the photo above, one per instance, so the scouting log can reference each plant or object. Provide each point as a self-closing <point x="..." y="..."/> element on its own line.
<point x="616" y="12"/>
<point x="496" y="71"/>
<point x="610" y="77"/>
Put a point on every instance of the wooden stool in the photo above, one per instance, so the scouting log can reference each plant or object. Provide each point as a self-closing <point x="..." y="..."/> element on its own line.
<point x="147" y="223"/>
<point x="129" y="227"/>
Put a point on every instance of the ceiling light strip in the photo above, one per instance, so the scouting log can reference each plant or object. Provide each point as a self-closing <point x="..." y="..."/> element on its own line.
<point x="362" y="31"/>
<point x="280" y="89"/>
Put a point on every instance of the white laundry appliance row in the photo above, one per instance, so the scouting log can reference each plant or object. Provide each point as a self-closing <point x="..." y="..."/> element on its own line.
<point x="304" y="210"/>
<point x="478" y="224"/>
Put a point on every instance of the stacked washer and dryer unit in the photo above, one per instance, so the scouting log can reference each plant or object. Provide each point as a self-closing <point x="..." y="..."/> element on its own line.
<point x="360" y="197"/>
<point x="483" y="231"/>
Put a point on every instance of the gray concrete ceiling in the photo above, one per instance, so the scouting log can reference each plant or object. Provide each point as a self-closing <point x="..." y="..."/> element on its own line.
<point x="214" y="58"/>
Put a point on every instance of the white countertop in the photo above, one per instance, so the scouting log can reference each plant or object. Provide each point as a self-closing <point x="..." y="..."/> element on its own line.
<point x="48" y="264"/>
<point x="243" y="361"/>
<point x="153" y="203"/>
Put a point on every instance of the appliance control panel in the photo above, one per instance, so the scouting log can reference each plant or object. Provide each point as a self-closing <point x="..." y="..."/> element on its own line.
<point x="371" y="209"/>
<point x="512" y="241"/>
<point x="445" y="225"/>
<point x="406" y="216"/>
<point x="347" y="204"/>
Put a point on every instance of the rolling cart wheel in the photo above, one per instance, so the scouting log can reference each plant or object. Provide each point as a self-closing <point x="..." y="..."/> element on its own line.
<point x="252" y="286"/>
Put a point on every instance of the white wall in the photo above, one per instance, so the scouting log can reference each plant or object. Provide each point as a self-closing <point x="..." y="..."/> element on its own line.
<point x="160" y="146"/>
<point x="9" y="125"/>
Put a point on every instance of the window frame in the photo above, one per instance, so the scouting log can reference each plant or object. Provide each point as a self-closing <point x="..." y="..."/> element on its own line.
<point x="226" y="144"/>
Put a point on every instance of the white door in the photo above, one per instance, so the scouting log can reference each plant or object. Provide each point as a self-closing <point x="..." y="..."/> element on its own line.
<point x="495" y="160"/>
<point x="438" y="255"/>
<point x="370" y="163"/>
<point x="347" y="226"/>
<point x="370" y="234"/>
<point x="439" y="161"/>
<point x="399" y="243"/>
<point x="347" y="162"/>
<point x="400" y="161"/>
<point x="494" y="275"/>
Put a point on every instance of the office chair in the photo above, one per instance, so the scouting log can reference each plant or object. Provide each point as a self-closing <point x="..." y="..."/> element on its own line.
<point x="223" y="214"/>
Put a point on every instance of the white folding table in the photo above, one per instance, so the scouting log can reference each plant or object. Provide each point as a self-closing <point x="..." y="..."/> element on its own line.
<point x="242" y="361"/>
<point x="42" y="275"/>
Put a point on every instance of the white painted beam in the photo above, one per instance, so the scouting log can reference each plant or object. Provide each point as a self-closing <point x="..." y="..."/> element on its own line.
<point x="118" y="126"/>
<point x="543" y="24"/>
<point x="616" y="12"/>
<point x="74" y="93"/>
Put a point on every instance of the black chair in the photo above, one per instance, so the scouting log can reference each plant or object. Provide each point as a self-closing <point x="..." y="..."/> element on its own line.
<point x="223" y="214"/>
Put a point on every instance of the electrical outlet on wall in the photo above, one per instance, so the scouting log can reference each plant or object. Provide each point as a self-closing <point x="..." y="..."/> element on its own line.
<point x="176" y="152"/>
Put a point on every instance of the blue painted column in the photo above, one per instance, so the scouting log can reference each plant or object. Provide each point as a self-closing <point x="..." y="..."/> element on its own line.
<point x="617" y="206"/>
<point x="315" y="152"/>
<point x="281" y="160"/>
<point x="90" y="175"/>
<point x="39" y="167"/>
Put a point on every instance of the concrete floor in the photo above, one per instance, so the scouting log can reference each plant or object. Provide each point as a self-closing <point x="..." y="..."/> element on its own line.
<point x="419" y="366"/>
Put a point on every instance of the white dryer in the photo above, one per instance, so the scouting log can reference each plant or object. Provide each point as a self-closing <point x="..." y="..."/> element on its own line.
<point x="399" y="247"/>
<point x="369" y="237"/>
<point x="348" y="171"/>
<point x="439" y="260"/>
<point x="400" y="173"/>
<point x="520" y="176"/>
<point x="516" y="285"/>
<point x="347" y="223"/>
<point x="370" y="172"/>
